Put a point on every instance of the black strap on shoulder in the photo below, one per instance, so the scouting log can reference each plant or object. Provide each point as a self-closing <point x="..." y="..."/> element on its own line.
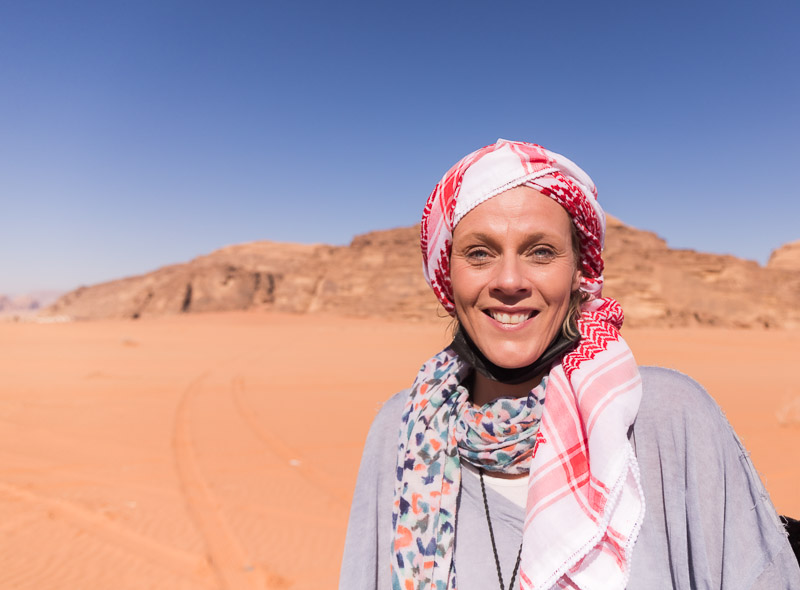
<point x="793" y="528"/>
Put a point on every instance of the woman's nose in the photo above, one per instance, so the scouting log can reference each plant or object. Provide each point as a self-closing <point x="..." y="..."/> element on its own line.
<point x="510" y="277"/>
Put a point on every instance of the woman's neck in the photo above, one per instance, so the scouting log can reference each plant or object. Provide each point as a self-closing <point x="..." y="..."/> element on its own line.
<point x="483" y="390"/>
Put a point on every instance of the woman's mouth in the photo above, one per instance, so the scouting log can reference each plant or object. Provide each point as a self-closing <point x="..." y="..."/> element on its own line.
<point x="509" y="318"/>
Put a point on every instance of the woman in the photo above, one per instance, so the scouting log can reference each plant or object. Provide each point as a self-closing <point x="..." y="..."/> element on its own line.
<point x="533" y="452"/>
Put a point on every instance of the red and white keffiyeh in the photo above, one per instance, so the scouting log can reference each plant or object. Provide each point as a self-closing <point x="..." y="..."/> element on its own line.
<point x="585" y="503"/>
<point x="491" y="170"/>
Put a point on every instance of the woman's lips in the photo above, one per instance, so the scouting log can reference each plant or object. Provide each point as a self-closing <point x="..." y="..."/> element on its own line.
<point x="510" y="318"/>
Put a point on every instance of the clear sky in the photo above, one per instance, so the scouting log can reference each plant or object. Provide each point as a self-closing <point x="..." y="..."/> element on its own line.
<point x="138" y="133"/>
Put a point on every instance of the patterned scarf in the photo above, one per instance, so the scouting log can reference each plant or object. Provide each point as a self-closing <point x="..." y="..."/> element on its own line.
<point x="440" y="428"/>
<point x="582" y="517"/>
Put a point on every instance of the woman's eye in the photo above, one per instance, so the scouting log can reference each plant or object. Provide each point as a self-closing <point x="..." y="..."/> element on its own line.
<point x="543" y="253"/>
<point x="477" y="255"/>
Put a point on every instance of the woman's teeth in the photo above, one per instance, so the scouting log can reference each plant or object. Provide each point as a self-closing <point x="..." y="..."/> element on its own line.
<point x="509" y="318"/>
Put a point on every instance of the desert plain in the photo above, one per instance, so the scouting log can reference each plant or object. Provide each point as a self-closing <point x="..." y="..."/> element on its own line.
<point x="220" y="450"/>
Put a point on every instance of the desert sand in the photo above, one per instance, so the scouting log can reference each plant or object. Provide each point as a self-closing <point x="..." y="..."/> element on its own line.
<point x="220" y="450"/>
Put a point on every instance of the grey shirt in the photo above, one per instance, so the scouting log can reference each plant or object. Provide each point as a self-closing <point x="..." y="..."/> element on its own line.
<point x="709" y="522"/>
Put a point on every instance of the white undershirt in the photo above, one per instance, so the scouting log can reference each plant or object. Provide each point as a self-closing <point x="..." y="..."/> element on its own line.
<point x="514" y="489"/>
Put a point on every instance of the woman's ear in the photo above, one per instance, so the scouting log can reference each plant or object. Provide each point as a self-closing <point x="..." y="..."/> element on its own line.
<point x="576" y="279"/>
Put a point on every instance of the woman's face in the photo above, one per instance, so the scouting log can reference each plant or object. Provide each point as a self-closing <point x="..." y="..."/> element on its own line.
<point x="513" y="270"/>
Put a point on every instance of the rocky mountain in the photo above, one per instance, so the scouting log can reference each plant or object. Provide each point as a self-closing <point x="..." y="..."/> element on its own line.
<point x="26" y="304"/>
<point x="659" y="286"/>
<point x="379" y="274"/>
<point x="787" y="257"/>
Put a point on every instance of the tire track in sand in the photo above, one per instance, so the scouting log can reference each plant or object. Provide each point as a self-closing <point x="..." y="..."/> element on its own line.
<point x="174" y="560"/>
<point x="226" y="554"/>
<point x="278" y="447"/>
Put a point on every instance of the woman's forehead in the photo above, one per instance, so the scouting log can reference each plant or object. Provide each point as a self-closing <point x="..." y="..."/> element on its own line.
<point x="520" y="210"/>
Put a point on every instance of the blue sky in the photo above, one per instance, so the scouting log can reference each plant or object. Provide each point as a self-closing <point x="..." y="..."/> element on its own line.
<point x="135" y="134"/>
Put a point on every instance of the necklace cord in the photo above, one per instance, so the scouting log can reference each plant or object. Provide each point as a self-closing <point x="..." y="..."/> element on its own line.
<point x="494" y="545"/>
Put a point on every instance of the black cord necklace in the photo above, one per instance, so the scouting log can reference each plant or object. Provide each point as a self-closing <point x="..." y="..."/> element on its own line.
<point x="494" y="545"/>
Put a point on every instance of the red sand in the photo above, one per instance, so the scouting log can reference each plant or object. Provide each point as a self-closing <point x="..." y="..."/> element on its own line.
<point x="220" y="451"/>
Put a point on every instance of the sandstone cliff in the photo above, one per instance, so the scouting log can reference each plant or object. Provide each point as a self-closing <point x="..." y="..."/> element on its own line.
<point x="379" y="274"/>
<point x="659" y="286"/>
<point x="787" y="257"/>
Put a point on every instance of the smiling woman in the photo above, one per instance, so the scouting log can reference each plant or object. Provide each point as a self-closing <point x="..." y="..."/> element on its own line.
<point x="534" y="450"/>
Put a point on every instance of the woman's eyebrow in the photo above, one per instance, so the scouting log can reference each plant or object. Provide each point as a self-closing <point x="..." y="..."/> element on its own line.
<point x="480" y="236"/>
<point x="493" y="239"/>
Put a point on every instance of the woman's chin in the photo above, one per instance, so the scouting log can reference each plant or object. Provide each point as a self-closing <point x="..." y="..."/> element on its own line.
<point x="513" y="357"/>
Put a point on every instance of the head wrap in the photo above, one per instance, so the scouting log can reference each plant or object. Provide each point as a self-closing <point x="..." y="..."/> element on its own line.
<point x="585" y="503"/>
<point x="494" y="169"/>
